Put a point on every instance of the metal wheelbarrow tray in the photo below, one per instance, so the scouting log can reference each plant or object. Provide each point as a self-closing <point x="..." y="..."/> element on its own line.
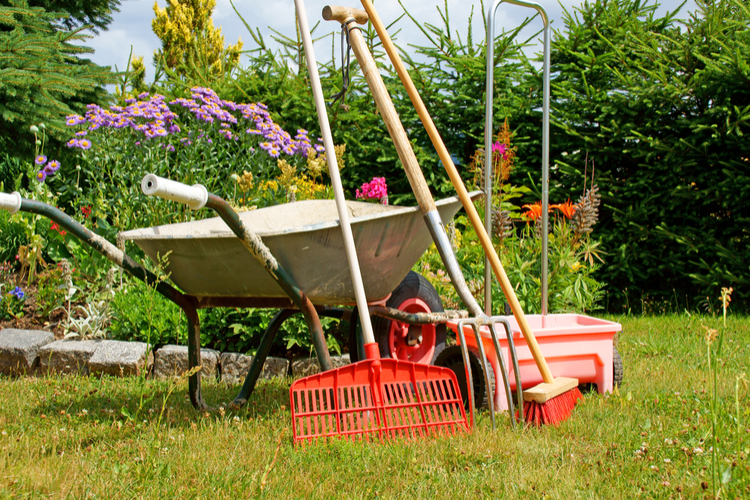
<point x="207" y="260"/>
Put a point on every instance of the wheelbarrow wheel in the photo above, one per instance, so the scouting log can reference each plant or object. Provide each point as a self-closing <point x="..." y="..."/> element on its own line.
<point x="415" y="343"/>
<point x="452" y="358"/>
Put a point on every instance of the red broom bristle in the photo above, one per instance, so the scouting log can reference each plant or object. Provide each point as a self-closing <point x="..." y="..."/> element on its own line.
<point x="553" y="411"/>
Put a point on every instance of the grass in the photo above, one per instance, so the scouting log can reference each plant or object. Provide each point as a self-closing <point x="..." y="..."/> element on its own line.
<point x="85" y="437"/>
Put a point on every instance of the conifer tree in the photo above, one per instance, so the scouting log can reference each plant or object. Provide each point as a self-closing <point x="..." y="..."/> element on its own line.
<point x="43" y="76"/>
<point x="96" y="13"/>
<point x="188" y="36"/>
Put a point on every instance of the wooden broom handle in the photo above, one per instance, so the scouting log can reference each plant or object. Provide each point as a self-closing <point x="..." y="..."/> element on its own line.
<point x="345" y="15"/>
<point x="463" y="195"/>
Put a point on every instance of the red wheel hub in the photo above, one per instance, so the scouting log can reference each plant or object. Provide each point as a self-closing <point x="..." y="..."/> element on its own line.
<point x="415" y="343"/>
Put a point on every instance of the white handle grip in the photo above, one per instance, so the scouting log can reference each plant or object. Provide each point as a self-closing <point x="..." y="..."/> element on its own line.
<point x="10" y="202"/>
<point x="194" y="196"/>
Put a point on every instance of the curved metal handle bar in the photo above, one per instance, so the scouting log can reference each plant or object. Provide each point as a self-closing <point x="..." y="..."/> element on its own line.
<point x="120" y="258"/>
<point x="488" y="144"/>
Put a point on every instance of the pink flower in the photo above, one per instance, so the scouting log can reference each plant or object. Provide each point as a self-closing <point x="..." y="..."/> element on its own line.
<point x="499" y="149"/>
<point x="376" y="189"/>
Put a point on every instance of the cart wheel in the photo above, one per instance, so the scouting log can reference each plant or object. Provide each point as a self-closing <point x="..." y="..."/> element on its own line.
<point x="618" y="368"/>
<point x="415" y="343"/>
<point x="452" y="358"/>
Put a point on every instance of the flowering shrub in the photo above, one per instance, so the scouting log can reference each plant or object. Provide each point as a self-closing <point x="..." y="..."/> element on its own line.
<point x="203" y="139"/>
<point x="376" y="189"/>
<point x="572" y="254"/>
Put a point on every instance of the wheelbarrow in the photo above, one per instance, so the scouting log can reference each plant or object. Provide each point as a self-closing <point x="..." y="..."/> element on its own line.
<point x="209" y="266"/>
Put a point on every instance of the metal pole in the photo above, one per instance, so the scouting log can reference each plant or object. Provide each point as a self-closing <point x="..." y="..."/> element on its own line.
<point x="333" y="169"/>
<point x="488" y="145"/>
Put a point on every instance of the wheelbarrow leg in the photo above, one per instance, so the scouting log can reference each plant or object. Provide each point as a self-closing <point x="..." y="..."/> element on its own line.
<point x="256" y="367"/>
<point x="194" y="356"/>
<point x="316" y="333"/>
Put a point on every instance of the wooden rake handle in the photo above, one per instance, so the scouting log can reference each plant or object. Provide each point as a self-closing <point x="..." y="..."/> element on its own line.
<point x="463" y="195"/>
<point x="345" y="16"/>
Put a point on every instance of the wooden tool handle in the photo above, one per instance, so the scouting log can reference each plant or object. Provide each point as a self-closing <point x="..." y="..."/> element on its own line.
<point x="342" y="14"/>
<point x="458" y="184"/>
<point x="390" y="117"/>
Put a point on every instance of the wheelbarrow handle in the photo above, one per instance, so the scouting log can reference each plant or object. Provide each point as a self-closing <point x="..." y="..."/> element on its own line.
<point x="10" y="202"/>
<point x="194" y="196"/>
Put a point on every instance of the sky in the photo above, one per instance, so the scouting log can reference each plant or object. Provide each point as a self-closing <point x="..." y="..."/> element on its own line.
<point x="132" y="25"/>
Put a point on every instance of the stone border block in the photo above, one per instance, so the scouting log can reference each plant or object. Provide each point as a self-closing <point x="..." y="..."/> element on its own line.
<point x="119" y="358"/>
<point x="304" y="367"/>
<point x="172" y="361"/>
<point x="19" y="350"/>
<point x="67" y="356"/>
<point x="234" y="367"/>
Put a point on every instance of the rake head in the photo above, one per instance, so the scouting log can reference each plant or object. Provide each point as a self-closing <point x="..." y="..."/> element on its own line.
<point x="377" y="399"/>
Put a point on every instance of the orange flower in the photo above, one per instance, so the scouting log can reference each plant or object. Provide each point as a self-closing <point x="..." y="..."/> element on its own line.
<point x="567" y="208"/>
<point x="533" y="212"/>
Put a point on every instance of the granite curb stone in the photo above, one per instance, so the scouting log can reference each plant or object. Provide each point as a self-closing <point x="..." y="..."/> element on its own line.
<point x="172" y="361"/>
<point x="67" y="356"/>
<point x="19" y="350"/>
<point x="304" y="367"/>
<point x="119" y="358"/>
<point x="234" y="367"/>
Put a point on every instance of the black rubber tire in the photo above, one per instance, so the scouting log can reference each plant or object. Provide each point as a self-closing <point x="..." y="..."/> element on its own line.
<point x="452" y="358"/>
<point x="413" y="286"/>
<point x="619" y="371"/>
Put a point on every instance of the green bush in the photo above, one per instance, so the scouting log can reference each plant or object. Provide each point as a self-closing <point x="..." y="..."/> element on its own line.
<point x="659" y="109"/>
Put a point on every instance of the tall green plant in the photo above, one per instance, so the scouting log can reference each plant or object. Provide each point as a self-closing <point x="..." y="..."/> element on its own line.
<point x="659" y="108"/>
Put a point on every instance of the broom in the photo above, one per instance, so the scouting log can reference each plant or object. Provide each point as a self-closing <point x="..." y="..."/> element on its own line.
<point x="552" y="401"/>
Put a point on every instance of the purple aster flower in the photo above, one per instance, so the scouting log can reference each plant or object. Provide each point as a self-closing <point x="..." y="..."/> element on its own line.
<point x="143" y="95"/>
<point x="129" y="101"/>
<point x="273" y="153"/>
<point x="51" y="167"/>
<point x="84" y="144"/>
<point x="170" y="148"/>
<point x="40" y="159"/>
<point x="82" y="133"/>
<point x="73" y="143"/>
<point x="41" y="175"/>
<point x="72" y="120"/>
<point x="18" y="292"/>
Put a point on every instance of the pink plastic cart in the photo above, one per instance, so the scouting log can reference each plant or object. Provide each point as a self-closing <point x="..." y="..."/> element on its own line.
<point x="573" y="345"/>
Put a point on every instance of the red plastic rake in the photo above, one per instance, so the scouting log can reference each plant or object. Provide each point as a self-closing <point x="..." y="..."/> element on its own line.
<point x="378" y="398"/>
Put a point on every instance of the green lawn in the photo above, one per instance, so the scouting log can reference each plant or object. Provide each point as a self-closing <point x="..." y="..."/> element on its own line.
<point x="87" y="438"/>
